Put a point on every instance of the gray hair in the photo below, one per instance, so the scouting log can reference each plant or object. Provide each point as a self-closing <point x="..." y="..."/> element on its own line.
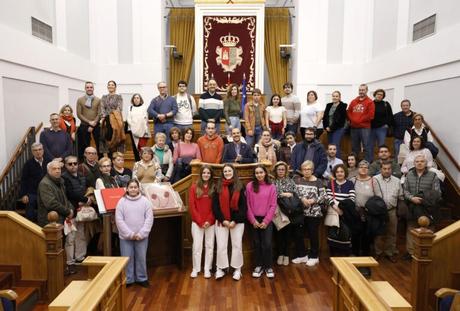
<point x="158" y="84"/>
<point x="36" y="145"/>
<point x="420" y="156"/>
<point x="70" y="157"/>
<point x="160" y="134"/>
<point x="52" y="164"/>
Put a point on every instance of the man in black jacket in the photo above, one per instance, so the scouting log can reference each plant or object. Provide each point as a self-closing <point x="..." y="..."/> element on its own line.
<point x="237" y="151"/>
<point x="32" y="173"/>
<point x="75" y="185"/>
<point x="310" y="149"/>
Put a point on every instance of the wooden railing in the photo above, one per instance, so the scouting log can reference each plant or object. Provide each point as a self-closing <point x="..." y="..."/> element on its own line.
<point x="11" y="175"/>
<point x="354" y="292"/>
<point x="104" y="290"/>
<point x="435" y="263"/>
<point x="38" y="251"/>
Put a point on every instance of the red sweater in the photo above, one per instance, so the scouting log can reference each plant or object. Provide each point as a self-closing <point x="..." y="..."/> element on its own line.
<point x="361" y="112"/>
<point x="201" y="208"/>
<point x="211" y="149"/>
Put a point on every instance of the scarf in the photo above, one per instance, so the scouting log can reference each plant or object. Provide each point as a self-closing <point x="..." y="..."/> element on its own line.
<point x="159" y="153"/>
<point x="67" y="120"/>
<point x="89" y="101"/>
<point x="224" y="199"/>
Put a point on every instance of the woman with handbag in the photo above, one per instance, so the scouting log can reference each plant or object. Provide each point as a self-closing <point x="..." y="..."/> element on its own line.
<point x="229" y="209"/>
<point x="341" y="215"/>
<point x="200" y="205"/>
<point x="134" y="220"/>
<point x="365" y="188"/>
<point x="261" y="203"/>
<point x="312" y="194"/>
<point x="184" y="153"/>
<point x="286" y="192"/>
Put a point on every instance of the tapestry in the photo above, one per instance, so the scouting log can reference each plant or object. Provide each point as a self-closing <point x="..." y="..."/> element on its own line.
<point x="229" y="47"/>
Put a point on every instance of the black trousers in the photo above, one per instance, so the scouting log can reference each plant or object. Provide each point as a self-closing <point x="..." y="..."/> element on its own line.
<point x="299" y="236"/>
<point x="263" y="246"/>
<point x="84" y="139"/>
<point x="282" y="240"/>
<point x="361" y="242"/>
<point x="312" y="224"/>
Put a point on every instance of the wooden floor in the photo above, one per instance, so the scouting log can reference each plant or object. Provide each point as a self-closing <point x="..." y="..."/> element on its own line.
<point x="295" y="287"/>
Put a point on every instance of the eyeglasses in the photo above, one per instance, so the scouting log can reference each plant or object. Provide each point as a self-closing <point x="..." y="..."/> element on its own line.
<point x="91" y="152"/>
<point x="72" y="163"/>
<point x="106" y="165"/>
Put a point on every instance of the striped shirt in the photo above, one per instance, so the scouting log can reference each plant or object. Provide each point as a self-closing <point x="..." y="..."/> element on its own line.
<point x="211" y="107"/>
<point x="341" y="192"/>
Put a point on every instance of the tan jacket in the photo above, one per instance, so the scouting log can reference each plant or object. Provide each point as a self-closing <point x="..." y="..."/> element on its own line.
<point x="250" y="116"/>
<point x="86" y="114"/>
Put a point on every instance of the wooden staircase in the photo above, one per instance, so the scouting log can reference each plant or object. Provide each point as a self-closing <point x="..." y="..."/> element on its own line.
<point x="28" y="294"/>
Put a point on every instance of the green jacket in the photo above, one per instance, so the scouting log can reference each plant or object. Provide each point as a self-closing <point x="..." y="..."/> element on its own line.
<point x="51" y="197"/>
<point x="374" y="168"/>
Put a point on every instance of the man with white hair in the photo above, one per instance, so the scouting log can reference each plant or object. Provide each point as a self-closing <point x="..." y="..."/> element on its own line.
<point x="32" y="173"/>
<point x="51" y="195"/>
<point x="90" y="168"/>
<point x="162" y="110"/>
<point x="421" y="186"/>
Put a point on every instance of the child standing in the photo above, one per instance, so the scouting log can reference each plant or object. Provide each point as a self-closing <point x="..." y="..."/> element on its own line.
<point x="200" y="203"/>
<point x="261" y="203"/>
<point x="134" y="219"/>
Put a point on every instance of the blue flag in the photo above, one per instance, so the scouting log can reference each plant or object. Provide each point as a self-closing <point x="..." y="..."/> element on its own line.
<point x="243" y="94"/>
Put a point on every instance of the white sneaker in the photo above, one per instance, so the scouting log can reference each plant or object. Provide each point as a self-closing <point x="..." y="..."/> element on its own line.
<point x="257" y="273"/>
<point x="207" y="274"/>
<point x="219" y="273"/>
<point x="237" y="274"/>
<point x="270" y="274"/>
<point x="285" y="261"/>
<point x="300" y="259"/>
<point x="311" y="262"/>
<point x="194" y="274"/>
<point x="280" y="260"/>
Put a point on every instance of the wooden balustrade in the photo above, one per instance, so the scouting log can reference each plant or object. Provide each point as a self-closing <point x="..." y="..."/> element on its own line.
<point x="105" y="288"/>
<point x="38" y="251"/>
<point x="435" y="263"/>
<point x="354" y="292"/>
<point x="11" y="175"/>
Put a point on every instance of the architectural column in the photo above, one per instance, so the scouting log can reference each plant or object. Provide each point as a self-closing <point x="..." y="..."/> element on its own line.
<point x="61" y="24"/>
<point x="402" y="31"/>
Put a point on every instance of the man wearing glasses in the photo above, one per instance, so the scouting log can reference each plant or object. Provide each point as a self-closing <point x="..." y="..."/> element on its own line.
<point x="162" y="110"/>
<point x="186" y="107"/>
<point x="75" y="186"/>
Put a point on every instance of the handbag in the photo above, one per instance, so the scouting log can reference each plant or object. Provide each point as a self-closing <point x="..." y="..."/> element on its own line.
<point x="341" y="234"/>
<point x="332" y="218"/>
<point x="280" y="220"/>
<point x="86" y="213"/>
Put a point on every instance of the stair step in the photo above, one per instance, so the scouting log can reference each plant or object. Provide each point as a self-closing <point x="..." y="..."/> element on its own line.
<point x="6" y="280"/>
<point x="27" y="298"/>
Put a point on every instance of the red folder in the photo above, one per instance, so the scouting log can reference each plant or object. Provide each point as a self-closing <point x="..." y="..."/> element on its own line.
<point x="111" y="196"/>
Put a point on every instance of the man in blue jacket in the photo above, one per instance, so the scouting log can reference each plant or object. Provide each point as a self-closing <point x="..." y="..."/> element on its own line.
<point x="310" y="149"/>
<point x="237" y="151"/>
<point x="162" y="110"/>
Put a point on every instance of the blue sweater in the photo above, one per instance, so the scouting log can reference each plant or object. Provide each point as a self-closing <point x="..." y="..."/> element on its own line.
<point x="158" y="105"/>
<point x="56" y="144"/>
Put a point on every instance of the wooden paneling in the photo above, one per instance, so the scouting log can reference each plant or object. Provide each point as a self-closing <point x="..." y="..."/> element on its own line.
<point x="23" y="243"/>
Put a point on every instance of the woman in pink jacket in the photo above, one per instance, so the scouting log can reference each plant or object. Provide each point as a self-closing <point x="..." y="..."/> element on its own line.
<point x="261" y="203"/>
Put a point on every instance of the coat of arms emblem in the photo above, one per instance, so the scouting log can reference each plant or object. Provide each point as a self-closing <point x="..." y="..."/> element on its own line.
<point x="229" y="55"/>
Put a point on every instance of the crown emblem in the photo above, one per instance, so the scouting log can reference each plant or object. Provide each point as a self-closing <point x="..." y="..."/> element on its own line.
<point x="229" y="40"/>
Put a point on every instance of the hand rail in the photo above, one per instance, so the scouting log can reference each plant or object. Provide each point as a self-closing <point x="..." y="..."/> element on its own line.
<point x="443" y="147"/>
<point x="10" y="177"/>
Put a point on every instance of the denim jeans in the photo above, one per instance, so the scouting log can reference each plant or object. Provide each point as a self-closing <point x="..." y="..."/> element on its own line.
<point x="182" y="127"/>
<point x="378" y="136"/>
<point x="164" y="128"/>
<point x="235" y="123"/>
<point x="136" y="270"/>
<point x="396" y="144"/>
<point x="252" y="140"/>
<point x="358" y="136"/>
<point x="336" y="139"/>
<point x="292" y="128"/>
<point x="203" y="128"/>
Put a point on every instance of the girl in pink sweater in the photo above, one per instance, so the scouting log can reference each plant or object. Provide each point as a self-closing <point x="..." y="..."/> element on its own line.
<point x="261" y="202"/>
<point x="134" y="219"/>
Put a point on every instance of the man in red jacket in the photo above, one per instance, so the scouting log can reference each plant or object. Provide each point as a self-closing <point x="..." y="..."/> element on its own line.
<point x="360" y="113"/>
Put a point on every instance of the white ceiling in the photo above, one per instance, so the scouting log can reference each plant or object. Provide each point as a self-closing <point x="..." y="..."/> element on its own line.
<point x="190" y="3"/>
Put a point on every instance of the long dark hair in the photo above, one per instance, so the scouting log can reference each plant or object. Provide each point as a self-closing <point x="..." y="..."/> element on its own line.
<point x="200" y="183"/>
<point x="255" y="181"/>
<point x="237" y="184"/>
<point x="229" y="91"/>
<point x="273" y="96"/>
<point x="133" y="181"/>
<point x="422" y="142"/>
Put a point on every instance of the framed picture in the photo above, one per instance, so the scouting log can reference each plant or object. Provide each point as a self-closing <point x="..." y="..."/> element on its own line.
<point x="163" y="196"/>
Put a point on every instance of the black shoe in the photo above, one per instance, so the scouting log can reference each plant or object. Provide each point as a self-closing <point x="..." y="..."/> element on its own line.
<point x="365" y="271"/>
<point x="70" y="269"/>
<point x="129" y="284"/>
<point x="79" y="261"/>
<point x="145" y="284"/>
<point x="407" y="257"/>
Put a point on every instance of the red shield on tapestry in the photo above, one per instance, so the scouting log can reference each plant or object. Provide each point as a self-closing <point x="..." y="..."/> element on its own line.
<point x="229" y="47"/>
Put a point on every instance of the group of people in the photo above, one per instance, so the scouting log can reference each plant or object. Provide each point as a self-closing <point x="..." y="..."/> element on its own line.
<point x="308" y="184"/>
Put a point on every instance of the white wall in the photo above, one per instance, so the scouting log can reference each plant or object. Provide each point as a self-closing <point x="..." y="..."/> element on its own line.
<point x="77" y="26"/>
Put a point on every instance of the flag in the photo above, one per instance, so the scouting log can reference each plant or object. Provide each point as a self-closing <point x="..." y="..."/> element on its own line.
<point x="228" y="80"/>
<point x="243" y="94"/>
